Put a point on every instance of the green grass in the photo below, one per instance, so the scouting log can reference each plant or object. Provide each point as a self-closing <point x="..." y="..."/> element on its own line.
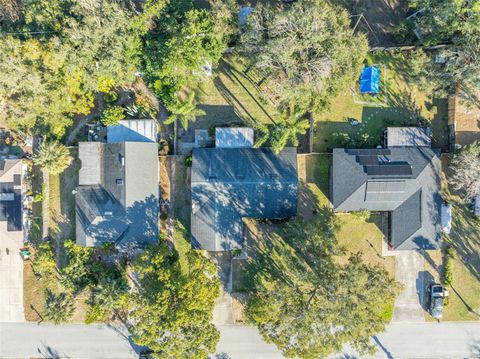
<point x="182" y="204"/>
<point x="354" y="235"/>
<point x="181" y="243"/>
<point x="464" y="238"/>
<point x="233" y="97"/>
<point x="406" y="104"/>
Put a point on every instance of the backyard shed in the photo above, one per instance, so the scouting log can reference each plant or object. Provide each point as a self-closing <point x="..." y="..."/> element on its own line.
<point x="408" y="137"/>
<point x="370" y="80"/>
<point x="133" y="131"/>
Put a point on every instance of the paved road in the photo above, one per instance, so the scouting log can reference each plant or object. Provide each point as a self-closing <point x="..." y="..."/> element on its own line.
<point x="30" y="340"/>
<point x="401" y="340"/>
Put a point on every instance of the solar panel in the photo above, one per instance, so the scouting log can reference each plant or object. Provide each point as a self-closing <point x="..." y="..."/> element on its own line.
<point x="367" y="160"/>
<point x="369" y="151"/>
<point x="386" y="186"/>
<point x="389" y="170"/>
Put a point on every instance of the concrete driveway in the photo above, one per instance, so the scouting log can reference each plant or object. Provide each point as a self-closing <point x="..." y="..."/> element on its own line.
<point x="409" y="271"/>
<point x="11" y="279"/>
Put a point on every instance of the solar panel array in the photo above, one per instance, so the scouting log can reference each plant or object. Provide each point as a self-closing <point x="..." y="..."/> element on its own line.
<point x="369" y="152"/>
<point x="389" y="169"/>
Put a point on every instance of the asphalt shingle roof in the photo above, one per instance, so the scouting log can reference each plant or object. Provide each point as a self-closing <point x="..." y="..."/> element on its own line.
<point x="406" y="183"/>
<point x="117" y="197"/>
<point x="229" y="184"/>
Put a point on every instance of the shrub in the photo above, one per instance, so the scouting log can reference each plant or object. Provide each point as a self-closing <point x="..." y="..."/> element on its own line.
<point x="110" y="97"/>
<point x="188" y="161"/>
<point x="59" y="308"/>
<point x="112" y="115"/>
<point x="448" y="255"/>
<point x="363" y="214"/>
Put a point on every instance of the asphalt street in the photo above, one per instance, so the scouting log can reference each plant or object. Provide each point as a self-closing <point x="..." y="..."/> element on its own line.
<point x="401" y="340"/>
<point x="79" y="341"/>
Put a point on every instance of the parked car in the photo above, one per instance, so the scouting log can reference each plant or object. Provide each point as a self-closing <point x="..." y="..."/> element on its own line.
<point x="438" y="293"/>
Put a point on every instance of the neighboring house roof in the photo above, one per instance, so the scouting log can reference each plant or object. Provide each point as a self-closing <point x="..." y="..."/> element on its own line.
<point x="229" y="184"/>
<point x="117" y="197"/>
<point x="233" y="137"/>
<point x="403" y="181"/>
<point x="408" y="137"/>
<point x="10" y="195"/>
<point x="133" y="131"/>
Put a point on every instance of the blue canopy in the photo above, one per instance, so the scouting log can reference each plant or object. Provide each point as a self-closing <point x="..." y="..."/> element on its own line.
<point x="370" y="80"/>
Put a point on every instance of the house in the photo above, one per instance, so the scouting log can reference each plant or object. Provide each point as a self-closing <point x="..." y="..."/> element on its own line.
<point x="401" y="182"/>
<point x="11" y="181"/>
<point x="463" y="120"/>
<point x="230" y="183"/>
<point x="118" y="192"/>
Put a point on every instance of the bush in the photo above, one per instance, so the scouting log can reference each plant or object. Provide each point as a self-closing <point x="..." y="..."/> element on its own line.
<point x="188" y="161"/>
<point x="112" y="116"/>
<point x="363" y="214"/>
<point x="110" y="97"/>
<point x="448" y="255"/>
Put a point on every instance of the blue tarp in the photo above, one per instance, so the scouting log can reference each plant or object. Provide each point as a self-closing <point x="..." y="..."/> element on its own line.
<point x="370" y="80"/>
<point x="243" y="14"/>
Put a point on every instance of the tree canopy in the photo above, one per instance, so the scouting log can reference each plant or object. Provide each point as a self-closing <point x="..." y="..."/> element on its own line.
<point x="57" y="54"/>
<point x="465" y="165"/>
<point x="306" y="51"/>
<point x="306" y="302"/>
<point x="183" y="41"/>
<point x="172" y="311"/>
<point x="52" y="157"/>
<point x="456" y="23"/>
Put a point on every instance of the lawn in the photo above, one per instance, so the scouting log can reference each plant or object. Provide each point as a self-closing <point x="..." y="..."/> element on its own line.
<point x="406" y="106"/>
<point x="464" y="301"/>
<point x="355" y="234"/>
<point x="62" y="227"/>
<point x="182" y="198"/>
<point x="232" y="97"/>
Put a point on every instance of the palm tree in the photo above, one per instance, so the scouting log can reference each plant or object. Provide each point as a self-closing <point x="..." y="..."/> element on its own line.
<point x="184" y="111"/>
<point x="59" y="308"/>
<point x="291" y="123"/>
<point x="53" y="157"/>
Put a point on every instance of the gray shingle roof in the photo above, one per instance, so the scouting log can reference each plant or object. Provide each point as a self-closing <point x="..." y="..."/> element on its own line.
<point x="411" y="194"/>
<point x="117" y="197"/>
<point x="11" y="194"/>
<point x="229" y="184"/>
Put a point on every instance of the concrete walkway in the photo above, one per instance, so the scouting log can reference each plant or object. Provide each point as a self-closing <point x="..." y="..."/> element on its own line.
<point x="409" y="272"/>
